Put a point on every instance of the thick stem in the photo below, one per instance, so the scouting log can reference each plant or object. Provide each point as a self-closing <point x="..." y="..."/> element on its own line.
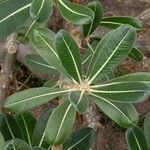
<point x="6" y="74"/>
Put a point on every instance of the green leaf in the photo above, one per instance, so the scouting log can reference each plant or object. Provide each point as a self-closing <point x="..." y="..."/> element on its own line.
<point x="147" y="129"/>
<point x="26" y="122"/>
<point x="79" y="101"/>
<point x="16" y="144"/>
<point x="36" y="63"/>
<point x="143" y="77"/>
<point x="80" y="140"/>
<point x="136" y="54"/>
<point x="116" y="21"/>
<point x="41" y="10"/>
<point x="32" y="97"/>
<point x="97" y="7"/>
<point x="38" y="138"/>
<point x="9" y="127"/>
<point x="69" y="54"/>
<point x="123" y="114"/>
<point x="43" y="40"/>
<point x="135" y="139"/>
<point x="38" y="148"/>
<point x="2" y="141"/>
<point x="60" y="123"/>
<point x="123" y="92"/>
<point x="114" y="48"/>
<point x="75" y="13"/>
<point x="13" y="15"/>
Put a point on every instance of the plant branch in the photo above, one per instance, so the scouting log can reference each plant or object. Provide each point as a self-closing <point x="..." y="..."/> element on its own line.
<point x="6" y="74"/>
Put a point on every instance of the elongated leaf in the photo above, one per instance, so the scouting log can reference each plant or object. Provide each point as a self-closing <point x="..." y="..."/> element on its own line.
<point x="116" y="21"/>
<point x="79" y="101"/>
<point x="43" y="40"/>
<point x="32" y="97"/>
<point x="26" y="122"/>
<point x="114" y="48"/>
<point x="75" y="13"/>
<point x="41" y="10"/>
<point x="13" y="15"/>
<point x="9" y="127"/>
<point x="38" y="148"/>
<point x="40" y="128"/>
<point x="81" y="139"/>
<point x="143" y="77"/>
<point x="97" y="7"/>
<point x="69" y="54"/>
<point x="136" y="139"/>
<point x="136" y="54"/>
<point x="16" y="144"/>
<point x="123" y="114"/>
<point x="147" y="129"/>
<point x="60" y="123"/>
<point x="2" y="141"/>
<point x="36" y="63"/>
<point x="123" y="92"/>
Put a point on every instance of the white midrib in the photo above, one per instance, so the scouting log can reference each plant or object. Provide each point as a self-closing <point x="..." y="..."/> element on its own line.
<point x="72" y="10"/>
<point x="47" y="44"/>
<point x="41" y="7"/>
<point x="26" y="128"/>
<point x="80" y="98"/>
<point x="116" y="92"/>
<point x="63" y="119"/>
<point x="41" y="64"/>
<point x="78" y="142"/>
<point x="136" y="140"/>
<point x="41" y="141"/>
<point x="47" y="94"/>
<point x="73" y="59"/>
<point x="109" y="58"/>
<point x="114" y="107"/>
<point x="109" y="22"/>
<point x="14" y="13"/>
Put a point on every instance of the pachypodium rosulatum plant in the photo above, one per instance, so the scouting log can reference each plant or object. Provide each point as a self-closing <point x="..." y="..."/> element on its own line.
<point x="83" y="78"/>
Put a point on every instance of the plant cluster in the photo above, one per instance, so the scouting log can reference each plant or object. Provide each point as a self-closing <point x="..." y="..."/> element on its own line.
<point x="84" y="78"/>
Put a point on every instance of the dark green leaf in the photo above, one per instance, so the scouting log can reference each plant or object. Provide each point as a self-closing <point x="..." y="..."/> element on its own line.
<point x="114" y="48"/>
<point x="123" y="114"/>
<point x="16" y="144"/>
<point x="32" y="97"/>
<point x="136" y="139"/>
<point x="50" y="84"/>
<point x="60" y="123"/>
<point x="143" y="77"/>
<point x="14" y="14"/>
<point x="41" y="10"/>
<point x="97" y="7"/>
<point x="80" y="140"/>
<point x="26" y="122"/>
<point x="43" y="42"/>
<point x="116" y="21"/>
<point x="69" y="54"/>
<point x="147" y="129"/>
<point x="9" y="127"/>
<point x="39" y="131"/>
<point x="75" y="13"/>
<point x="123" y="92"/>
